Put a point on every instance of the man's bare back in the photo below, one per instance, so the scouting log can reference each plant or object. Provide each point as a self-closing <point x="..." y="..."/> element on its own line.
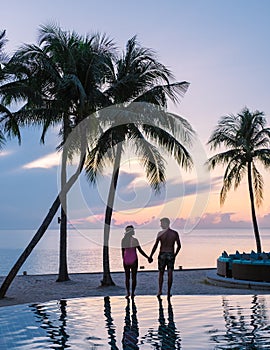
<point x="167" y="240"/>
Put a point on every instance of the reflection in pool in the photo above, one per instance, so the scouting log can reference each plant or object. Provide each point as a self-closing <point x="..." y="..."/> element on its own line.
<point x="188" y="322"/>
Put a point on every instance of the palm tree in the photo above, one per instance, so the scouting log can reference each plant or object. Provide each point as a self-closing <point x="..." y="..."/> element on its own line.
<point x="247" y="139"/>
<point x="142" y="85"/>
<point x="52" y="95"/>
<point x="67" y="72"/>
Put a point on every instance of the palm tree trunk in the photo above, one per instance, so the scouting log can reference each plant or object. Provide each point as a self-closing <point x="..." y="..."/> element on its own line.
<point x="253" y="212"/>
<point x="63" y="270"/>
<point x="40" y="232"/>
<point x="107" y="279"/>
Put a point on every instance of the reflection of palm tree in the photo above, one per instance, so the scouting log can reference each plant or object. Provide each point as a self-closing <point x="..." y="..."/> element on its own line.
<point x="131" y="329"/>
<point x="258" y="316"/>
<point x="167" y="336"/>
<point x="109" y="323"/>
<point x="243" y="332"/>
<point x="57" y="333"/>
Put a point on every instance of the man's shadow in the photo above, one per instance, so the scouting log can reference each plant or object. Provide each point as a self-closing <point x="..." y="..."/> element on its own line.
<point x="166" y="336"/>
<point x="131" y="329"/>
<point x="168" y="333"/>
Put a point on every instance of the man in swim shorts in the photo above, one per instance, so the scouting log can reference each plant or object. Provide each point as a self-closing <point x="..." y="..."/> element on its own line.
<point x="167" y="238"/>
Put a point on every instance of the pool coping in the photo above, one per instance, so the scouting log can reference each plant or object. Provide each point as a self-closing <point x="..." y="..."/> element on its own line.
<point x="215" y="279"/>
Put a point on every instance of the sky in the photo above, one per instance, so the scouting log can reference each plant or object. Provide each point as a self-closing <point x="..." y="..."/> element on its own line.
<point x="220" y="47"/>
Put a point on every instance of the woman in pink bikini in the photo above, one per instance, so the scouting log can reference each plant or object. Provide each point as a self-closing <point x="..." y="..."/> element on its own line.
<point x="129" y="246"/>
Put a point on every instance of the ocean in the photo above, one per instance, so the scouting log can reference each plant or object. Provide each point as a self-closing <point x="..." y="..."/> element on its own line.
<point x="200" y="249"/>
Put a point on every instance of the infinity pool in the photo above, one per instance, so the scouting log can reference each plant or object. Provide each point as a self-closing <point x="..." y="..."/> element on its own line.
<point x="188" y="322"/>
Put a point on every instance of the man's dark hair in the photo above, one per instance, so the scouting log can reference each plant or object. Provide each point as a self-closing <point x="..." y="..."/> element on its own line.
<point x="167" y="220"/>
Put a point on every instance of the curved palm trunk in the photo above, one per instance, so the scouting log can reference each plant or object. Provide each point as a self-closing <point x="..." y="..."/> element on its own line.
<point x="253" y="212"/>
<point x="63" y="270"/>
<point x="107" y="279"/>
<point x="40" y="232"/>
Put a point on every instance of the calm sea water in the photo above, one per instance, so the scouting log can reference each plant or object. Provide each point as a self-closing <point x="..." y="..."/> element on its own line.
<point x="200" y="249"/>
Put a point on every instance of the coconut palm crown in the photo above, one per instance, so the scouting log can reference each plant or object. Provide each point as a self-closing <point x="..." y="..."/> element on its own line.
<point x="247" y="140"/>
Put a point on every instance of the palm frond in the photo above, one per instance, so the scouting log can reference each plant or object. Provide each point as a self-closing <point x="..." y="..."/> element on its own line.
<point x="225" y="133"/>
<point x="222" y="158"/>
<point x="257" y="184"/>
<point x="152" y="162"/>
<point x="149" y="156"/>
<point x="263" y="155"/>
<point x="170" y="144"/>
<point x="103" y="152"/>
<point x="3" y="40"/>
<point x="159" y="94"/>
<point x="2" y="140"/>
<point x="261" y="138"/>
<point x="180" y="128"/>
<point x="232" y="177"/>
<point x="11" y="126"/>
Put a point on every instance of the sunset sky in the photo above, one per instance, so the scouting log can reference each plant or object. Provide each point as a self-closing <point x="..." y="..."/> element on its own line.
<point x="221" y="47"/>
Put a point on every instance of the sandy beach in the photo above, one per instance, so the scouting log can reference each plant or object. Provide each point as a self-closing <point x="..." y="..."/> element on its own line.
<point x="42" y="288"/>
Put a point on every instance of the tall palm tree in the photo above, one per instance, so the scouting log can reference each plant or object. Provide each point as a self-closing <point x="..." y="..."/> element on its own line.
<point x="247" y="139"/>
<point x="142" y="85"/>
<point x="67" y="72"/>
<point x="71" y="91"/>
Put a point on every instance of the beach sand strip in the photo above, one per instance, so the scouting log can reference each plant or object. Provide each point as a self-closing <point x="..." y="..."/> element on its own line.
<point x="26" y="289"/>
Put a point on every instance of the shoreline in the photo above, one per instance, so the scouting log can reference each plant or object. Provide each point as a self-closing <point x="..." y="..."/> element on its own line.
<point x="27" y="289"/>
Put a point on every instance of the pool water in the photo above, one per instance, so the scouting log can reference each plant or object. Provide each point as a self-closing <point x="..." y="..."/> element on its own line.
<point x="188" y="322"/>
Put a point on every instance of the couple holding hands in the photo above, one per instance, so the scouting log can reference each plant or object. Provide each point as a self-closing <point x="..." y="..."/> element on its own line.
<point x="167" y="238"/>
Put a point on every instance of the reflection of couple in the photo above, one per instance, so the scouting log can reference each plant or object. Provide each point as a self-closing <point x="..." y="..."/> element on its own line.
<point x="168" y="335"/>
<point x="131" y="329"/>
<point x="167" y="238"/>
